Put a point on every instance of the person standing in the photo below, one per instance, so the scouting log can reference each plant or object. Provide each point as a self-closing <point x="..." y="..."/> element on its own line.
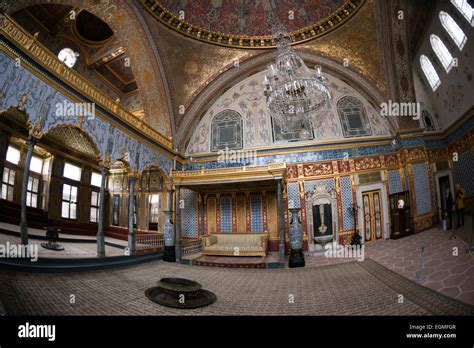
<point x="460" y="196"/>
<point x="449" y="207"/>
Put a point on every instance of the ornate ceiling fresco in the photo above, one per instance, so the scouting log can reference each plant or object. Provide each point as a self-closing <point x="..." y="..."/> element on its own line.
<point x="191" y="66"/>
<point x="358" y="45"/>
<point x="176" y="61"/>
<point x="99" y="50"/>
<point x="247" y="23"/>
<point x="121" y="17"/>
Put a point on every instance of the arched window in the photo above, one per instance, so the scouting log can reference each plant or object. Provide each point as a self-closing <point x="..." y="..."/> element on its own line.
<point x="430" y="72"/>
<point x="453" y="29"/>
<point x="353" y="115"/>
<point x="442" y="52"/>
<point x="465" y="9"/>
<point x="226" y="131"/>
<point x="428" y="121"/>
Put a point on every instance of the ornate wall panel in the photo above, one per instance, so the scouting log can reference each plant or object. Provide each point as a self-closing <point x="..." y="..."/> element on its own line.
<point x="422" y="189"/>
<point x="464" y="171"/>
<point x="394" y="180"/>
<point x="256" y="213"/>
<point x="211" y="215"/>
<point x="293" y="194"/>
<point x="189" y="219"/>
<point x="346" y="198"/>
<point x="272" y="215"/>
<point x="241" y="213"/>
<point x="226" y="131"/>
<point x="226" y="214"/>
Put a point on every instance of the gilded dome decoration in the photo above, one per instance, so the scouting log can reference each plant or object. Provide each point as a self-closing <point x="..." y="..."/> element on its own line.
<point x="248" y="24"/>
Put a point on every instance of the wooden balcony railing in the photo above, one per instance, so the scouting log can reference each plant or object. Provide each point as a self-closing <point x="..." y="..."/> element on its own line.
<point x="149" y="242"/>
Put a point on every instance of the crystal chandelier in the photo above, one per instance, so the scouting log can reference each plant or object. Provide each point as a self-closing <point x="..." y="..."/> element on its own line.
<point x="297" y="98"/>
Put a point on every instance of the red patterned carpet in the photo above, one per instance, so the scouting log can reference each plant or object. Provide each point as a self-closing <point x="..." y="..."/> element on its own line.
<point x="230" y="261"/>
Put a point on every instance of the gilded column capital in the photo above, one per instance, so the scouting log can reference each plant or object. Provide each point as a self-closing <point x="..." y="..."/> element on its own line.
<point x="105" y="162"/>
<point x="35" y="131"/>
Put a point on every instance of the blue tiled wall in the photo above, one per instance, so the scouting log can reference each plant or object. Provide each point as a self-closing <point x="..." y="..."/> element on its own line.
<point x="226" y="214"/>
<point x="256" y="213"/>
<point x="189" y="218"/>
<point x="346" y="197"/>
<point x="395" y="182"/>
<point x="422" y="188"/>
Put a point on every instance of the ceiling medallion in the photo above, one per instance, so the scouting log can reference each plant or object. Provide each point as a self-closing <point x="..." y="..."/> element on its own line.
<point x="320" y="28"/>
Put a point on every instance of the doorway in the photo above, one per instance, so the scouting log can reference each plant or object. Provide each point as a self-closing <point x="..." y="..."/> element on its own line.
<point x="443" y="183"/>
<point x="372" y="215"/>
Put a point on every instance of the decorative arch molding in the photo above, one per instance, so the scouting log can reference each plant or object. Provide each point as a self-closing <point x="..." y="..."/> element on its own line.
<point x="131" y="34"/>
<point x="231" y="76"/>
<point x="76" y="138"/>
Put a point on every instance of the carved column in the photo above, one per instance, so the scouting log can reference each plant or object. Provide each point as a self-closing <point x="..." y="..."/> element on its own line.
<point x="100" y="232"/>
<point x="34" y="136"/>
<point x="169" y="231"/>
<point x="131" y="201"/>
<point x="177" y="224"/>
<point x="281" y="224"/>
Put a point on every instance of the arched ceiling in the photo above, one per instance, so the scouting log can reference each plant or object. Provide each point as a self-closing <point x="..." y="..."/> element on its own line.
<point x="176" y="60"/>
<point x="250" y="24"/>
<point x="127" y="26"/>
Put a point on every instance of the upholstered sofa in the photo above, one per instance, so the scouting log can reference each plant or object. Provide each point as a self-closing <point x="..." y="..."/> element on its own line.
<point x="236" y="244"/>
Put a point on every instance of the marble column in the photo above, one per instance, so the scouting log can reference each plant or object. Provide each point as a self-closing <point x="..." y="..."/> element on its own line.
<point x="100" y="231"/>
<point x="281" y="224"/>
<point x="169" y="231"/>
<point x="131" y="201"/>
<point x="26" y="174"/>
<point x="177" y="225"/>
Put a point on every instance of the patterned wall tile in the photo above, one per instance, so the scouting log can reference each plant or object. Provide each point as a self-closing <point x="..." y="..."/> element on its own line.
<point x="346" y="197"/>
<point x="464" y="172"/>
<point x="226" y="214"/>
<point x="422" y="189"/>
<point x="309" y="185"/>
<point x="189" y="218"/>
<point x="293" y="195"/>
<point x="395" y="182"/>
<point x="256" y="213"/>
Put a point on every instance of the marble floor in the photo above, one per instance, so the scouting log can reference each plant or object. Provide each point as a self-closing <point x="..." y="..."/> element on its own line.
<point x="447" y="267"/>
